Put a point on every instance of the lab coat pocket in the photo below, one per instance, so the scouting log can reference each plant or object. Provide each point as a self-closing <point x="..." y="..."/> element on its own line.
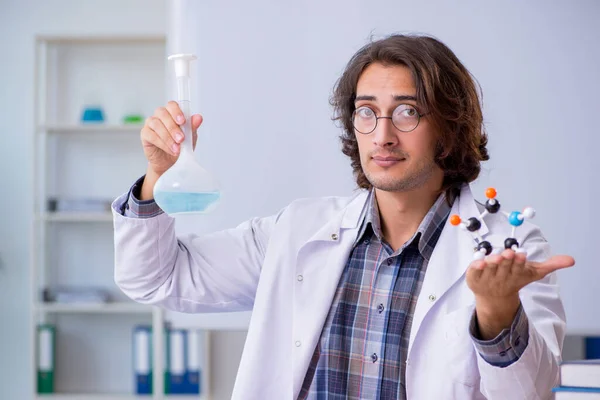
<point x="460" y="353"/>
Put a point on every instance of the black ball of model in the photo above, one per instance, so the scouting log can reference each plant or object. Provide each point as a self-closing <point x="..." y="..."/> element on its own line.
<point x="485" y="245"/>
<point x="492" y="206"/>
<point x="510" y="242"/>
<point x="473" y="224"/>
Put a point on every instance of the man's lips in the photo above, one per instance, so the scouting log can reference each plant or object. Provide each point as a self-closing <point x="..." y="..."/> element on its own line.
<point x="387" y="161"/>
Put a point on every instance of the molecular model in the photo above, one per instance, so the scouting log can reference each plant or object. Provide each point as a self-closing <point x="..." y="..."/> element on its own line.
<point x="492" y="206"/>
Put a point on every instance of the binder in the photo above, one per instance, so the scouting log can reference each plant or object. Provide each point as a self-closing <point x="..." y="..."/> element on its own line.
<point x="142" y="359"/>
<point x="166" y="352"/>
<point x="177" y="362"/>
<point x="194" y="363"/>
<point x="46" y="358"/>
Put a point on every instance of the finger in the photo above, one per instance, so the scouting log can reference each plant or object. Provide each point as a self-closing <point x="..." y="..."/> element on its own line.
<point x="508" y="254"/>
<point x="151" y="140"/>
<point x="520" y="258"/>
<point x="552" y="264"/>
<point x="175" y="111"/>
<point x="196" y="122"/>
<point x="477" y="264"/>
<point x="519" y="262"/>
<point x="491" y="263"/>
<point x="473" y="274"/>
<point x="168" y="121"/>
<point x="489" y="268"/>
<point x="485" y="262"/>
<point x="505" y="266"/>
<point x="494" y="259"/>
<point x="153" y="130"/>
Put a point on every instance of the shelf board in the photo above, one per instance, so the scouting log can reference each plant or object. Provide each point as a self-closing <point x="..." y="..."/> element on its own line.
<point x="88" y="128"/>
<point x="85" y="396"/>
<point x="102" y="39"/>
<point x="103" y="308"/>
<point x="99" y="396"/>
<point x="234" y="321"/>
<point x="73" y="216"/>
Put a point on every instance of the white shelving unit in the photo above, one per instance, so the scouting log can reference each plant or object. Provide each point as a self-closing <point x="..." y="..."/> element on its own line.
<point x="76" y="216"/>
<point x="93" y="352"/>
<point x="85" y="129"/>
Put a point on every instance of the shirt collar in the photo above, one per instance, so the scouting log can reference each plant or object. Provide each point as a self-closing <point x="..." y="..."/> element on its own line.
<point x="428" y="231"/>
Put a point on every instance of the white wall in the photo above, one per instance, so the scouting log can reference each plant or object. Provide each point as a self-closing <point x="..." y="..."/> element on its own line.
<point x="266" y="71"/>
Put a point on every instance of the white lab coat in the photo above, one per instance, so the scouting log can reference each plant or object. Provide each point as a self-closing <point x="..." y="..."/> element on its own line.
<point x="286" y="269"/>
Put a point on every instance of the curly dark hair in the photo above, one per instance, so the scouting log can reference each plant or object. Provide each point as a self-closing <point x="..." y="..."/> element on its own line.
<point x="445" y="90"/>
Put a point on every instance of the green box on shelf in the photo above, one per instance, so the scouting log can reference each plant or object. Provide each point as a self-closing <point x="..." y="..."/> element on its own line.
<point x="133" y="119"/>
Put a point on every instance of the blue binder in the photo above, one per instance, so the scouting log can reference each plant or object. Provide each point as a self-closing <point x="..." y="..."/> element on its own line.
<point x="194" y="362"/>
<point x="177" y="361"/>
<point x="142" y="359"/>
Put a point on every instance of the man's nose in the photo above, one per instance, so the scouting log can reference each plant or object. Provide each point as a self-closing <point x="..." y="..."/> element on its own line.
<point x="385" y="133"/>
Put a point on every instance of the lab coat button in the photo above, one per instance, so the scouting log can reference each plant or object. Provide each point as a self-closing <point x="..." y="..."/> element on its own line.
<point x="432" y="297"/>
<point x="334" y="236"/>
<point x="298" y="344"/>
<point x="300" y="278"/>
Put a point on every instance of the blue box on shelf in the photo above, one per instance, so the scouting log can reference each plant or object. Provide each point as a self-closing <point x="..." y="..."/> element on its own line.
<point x="92" y="115"/>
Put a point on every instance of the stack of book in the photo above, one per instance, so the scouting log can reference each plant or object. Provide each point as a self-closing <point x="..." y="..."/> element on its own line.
<point x="579" y="380"/>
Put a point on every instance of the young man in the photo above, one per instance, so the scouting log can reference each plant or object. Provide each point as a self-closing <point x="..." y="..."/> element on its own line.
<point x="373" y="296"/>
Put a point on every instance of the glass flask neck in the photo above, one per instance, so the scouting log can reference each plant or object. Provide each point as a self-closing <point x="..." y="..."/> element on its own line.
<point x="187" y="146"/>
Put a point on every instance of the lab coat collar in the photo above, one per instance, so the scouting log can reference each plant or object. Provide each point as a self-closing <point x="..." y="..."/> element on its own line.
<point x="351" y="216"/>
<point x="346" y="218"/>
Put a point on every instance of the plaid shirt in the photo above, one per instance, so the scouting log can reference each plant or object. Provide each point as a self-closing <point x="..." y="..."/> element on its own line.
<point x="135" y="208"/>
<point x="362" y="351"/>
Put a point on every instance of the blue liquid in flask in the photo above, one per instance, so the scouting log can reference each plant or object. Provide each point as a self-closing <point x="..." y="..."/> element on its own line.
<point x="183" y="202"/>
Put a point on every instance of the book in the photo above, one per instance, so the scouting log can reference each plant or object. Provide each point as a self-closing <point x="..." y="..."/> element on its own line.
<point x="583" y="373"/>
<point x="575" y="393"/>
<point x="592" y="348"/>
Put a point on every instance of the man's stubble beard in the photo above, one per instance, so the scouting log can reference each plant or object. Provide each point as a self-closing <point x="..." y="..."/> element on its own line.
<point x="414" y="177"/>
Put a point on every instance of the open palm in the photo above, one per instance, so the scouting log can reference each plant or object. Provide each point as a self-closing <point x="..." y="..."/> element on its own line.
<point x="502" y="275"/>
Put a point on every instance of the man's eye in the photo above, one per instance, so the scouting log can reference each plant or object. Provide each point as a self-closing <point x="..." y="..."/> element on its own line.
<point x="365" y="112"/>
<point x="406" y="112"/>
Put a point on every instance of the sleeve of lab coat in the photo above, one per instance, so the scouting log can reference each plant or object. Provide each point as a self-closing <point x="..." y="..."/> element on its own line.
<point x="209" y="273"/>
<point x="534" y="374"/>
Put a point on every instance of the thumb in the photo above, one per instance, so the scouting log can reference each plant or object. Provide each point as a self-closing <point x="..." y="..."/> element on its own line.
<point x="553" y="264"/>
<point x="196" y="122"/>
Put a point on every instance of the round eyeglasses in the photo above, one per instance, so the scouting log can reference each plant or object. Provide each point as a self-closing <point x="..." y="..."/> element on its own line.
<point x="405" y="118"/>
